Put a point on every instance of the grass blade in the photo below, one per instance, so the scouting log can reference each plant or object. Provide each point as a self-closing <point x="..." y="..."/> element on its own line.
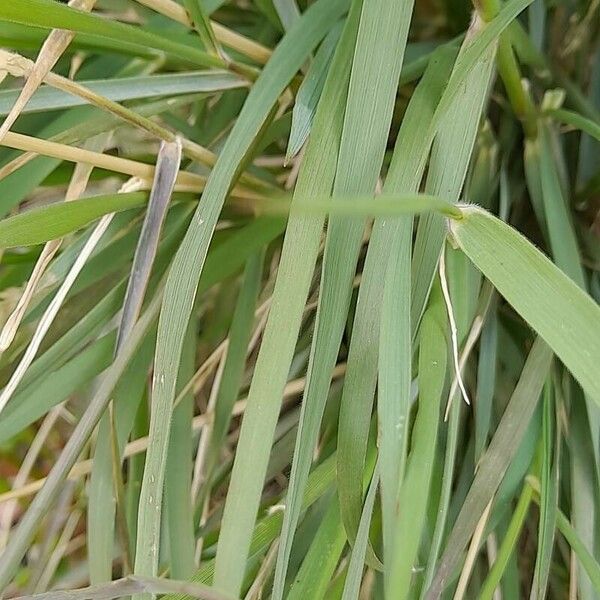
<point x="289" y="297"/>
<point x="529" y="281"/>
<point x="46" y="13"/>
<point x="128" y="88"/>
<point x="185" y="272"/>
<point x="415" y="487"/>
<point x="382" y="34"/>
<point x="495" y="461"/>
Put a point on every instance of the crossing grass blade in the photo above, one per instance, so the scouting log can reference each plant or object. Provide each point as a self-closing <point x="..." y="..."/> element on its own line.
<point x="40" y="225"/>
<point x="289" y="297"/>
<point x="494" y="462"/>
<point x="186" y="269"/>
<point x="366" y="125"/>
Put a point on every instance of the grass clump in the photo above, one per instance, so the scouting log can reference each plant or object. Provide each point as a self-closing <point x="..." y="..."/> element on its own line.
<point x="299" y="299"/>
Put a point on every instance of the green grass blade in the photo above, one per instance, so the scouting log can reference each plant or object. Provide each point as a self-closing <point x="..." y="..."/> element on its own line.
<point x="415" y="487"/>
<point x="551" y="440"/>
<point x="310" y="91"/>
<point x="382" y="33"/>
<point x="508" y="545"/>
<point x="322" y="557"/>
<point x="203" y="26"/>
<point x="187" y="267"/>
<point x="486" y="380"/>
<point x="128" y="88"/>
<point x="289" y="297"/>
<point x="101" y="514"/>
<point x="563" y="241"/>
<point x="39" y="225"/>
<point x="574" y="119"/>
<point x="179" y="513"/>
<point x="50" y="14"/>
<point x="361" y="543"/>
<point x="540" y="292"/>
<point x="450" y="159"/>
<point x="494" y="463"/>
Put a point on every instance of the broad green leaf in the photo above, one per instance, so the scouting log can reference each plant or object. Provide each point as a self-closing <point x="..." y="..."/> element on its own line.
<point x="563" y="314"/>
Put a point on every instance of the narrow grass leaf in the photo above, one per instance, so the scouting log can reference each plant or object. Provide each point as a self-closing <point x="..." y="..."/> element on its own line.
<point x="39" y="225"/>
<point x="310" y="91"/>
<point x="186" y="270"/>
<point x="416" y="484"/>
<point x="361" y="543"/>
<point x="203" y="26"/>
<point x="50" y="14"/>
<point x="322" y="557"/>
<point x="495" y="462"/>
<point x="551" y="440"/>
<point x="179" y="513"/>
<point x="128" y="88"/>
<point x="508" y="545"/>
<point x="281" y="331"/>
<point x="450" y="158"/>
<point x="574" y="119"/>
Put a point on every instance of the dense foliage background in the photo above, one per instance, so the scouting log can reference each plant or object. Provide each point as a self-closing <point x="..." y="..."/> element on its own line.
<point x="277" y="317"/>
